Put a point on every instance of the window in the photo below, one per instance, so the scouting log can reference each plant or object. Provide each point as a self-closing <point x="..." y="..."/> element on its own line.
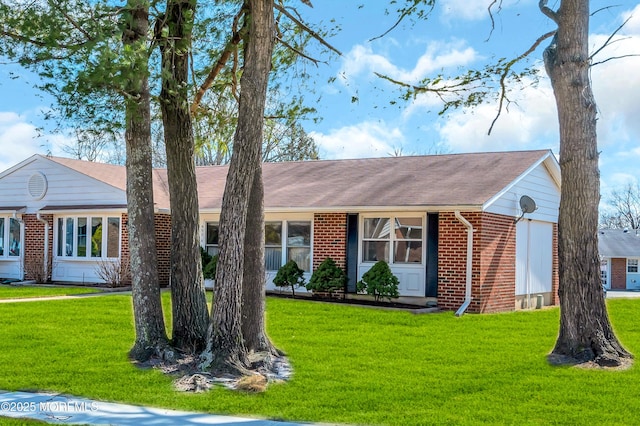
<point x="604" y="268"/>
<point x="283" y="241"/>
<point x="84" y="237"/>
<point x="632" y="266"/>
<point x="211" y="242"/>
<point x="299" y="244"/>
<point x="272" y="245"/>
<point x="404" y="234"/>
<point x="10" y="237"/>
<point x="408" y="245"/>
<point x="376" y="239"/>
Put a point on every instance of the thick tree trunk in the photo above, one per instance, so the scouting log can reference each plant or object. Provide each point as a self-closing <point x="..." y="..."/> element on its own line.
<point x="253" y="285"/>
<point x="585" y="331"/>
<point x="147" y="308"/>
<point x="225" y="348"/>
<point x="189" y="304"/>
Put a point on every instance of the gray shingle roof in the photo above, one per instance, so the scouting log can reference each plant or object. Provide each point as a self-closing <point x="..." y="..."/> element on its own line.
<point x="416" y="181"/>
<point x="618" y="243"/>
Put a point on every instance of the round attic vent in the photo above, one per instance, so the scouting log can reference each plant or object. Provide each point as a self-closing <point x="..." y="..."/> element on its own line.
<point x="37" y="185"/>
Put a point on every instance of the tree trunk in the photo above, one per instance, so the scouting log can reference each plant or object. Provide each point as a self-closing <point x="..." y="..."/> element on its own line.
<point x="225" y="348"/>
<point x="253" y="284"/>
<point x="147" y="308"/>
<point x="585" y="331"/>
<point x="189" y="304"/>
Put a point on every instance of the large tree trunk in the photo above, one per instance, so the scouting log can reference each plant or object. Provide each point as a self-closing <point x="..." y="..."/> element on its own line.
<point x="585" y="330"/>
<point x="151" y="337"/>
<point x="225" y="347"/>
<point x="253" y="285"/>
<point x="189" y="304"/>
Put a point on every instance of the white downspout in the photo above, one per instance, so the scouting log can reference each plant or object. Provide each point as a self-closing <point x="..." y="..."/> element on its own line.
<point x="46" y="245"/>
<point x="467" y="292"/>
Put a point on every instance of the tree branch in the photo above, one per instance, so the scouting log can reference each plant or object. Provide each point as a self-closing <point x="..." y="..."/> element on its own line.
<point x="302" y="25"/>
<point x="220" y="63"/>
<point x="614" y="58"/>
<point x="55" y="4"/>
<point x="549" y="13"/>
<point x="408" y="11"/>
<point x="608" y="41"/>
<point x="507" y="68"/>
<point x="298" y="52"/>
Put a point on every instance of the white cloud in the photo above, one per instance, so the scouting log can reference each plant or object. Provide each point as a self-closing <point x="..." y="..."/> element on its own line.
<point x="472" y="10"/>
<point x="21" y="140"/>
<point x="362" y="60"/>
<point x="529" y="123"/>
<point x="360" y="140"/>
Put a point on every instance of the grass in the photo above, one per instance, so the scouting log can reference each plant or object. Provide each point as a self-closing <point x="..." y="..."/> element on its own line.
<point x="24" y="291"/>
<point x="351" y="365"/>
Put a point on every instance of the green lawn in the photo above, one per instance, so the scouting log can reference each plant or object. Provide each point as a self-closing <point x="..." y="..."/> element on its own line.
<point x="351" y="365"/>
<point x="24" y="291"/>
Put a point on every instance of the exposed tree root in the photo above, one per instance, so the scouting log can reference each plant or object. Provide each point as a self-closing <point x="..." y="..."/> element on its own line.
<point x="263" y="369"/>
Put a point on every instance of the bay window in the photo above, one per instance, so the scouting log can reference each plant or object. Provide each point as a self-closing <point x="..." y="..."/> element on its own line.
<point x="85" y="237"/>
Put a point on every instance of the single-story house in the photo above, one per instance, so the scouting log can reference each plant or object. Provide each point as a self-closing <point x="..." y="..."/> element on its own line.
<point x="451" y="227"/>
<point x="619" y="256"/>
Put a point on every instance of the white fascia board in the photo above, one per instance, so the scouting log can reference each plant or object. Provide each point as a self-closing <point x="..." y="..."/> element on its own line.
<point x="20" y="165"/>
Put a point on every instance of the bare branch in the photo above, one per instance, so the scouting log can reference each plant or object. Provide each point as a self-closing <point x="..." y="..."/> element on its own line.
<point x="493" y="22"/>
<point x="549" y="13"/>
<point x="403" y="15"/>
<point x="505" y="73"/>
<point x="614" y="58"/>
<point x="608" y="41"/>
<point x="302" y="25"/>
<point x="297" y="51"/>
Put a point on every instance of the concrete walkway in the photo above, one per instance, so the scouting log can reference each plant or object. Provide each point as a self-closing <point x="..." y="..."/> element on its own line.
<point x="64" y="409"/>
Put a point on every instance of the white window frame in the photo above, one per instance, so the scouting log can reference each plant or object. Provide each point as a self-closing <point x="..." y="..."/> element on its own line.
<point x="58" y="238"/>
<point x="632" y="264"/>
<point x="392" y="216"/>
<point x="214" y="247"/>
<point x="6" y="236"/>
<point x="604" y="271"/>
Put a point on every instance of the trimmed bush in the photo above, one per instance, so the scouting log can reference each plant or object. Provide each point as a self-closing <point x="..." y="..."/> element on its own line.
<point x="379" y="282"/>
<point x="328" y="277"/>
<point x="290" y="275"/>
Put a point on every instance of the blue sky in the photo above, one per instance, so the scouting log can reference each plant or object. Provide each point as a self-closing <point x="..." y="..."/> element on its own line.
<point x="454" y="38"/>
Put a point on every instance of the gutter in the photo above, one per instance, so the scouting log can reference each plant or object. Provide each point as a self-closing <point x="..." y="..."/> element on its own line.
<point x="46" y="245"/>
<point x="467" y="292"/>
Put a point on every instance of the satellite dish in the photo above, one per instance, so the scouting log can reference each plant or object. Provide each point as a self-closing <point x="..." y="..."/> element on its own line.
<point x="527" y="205"/>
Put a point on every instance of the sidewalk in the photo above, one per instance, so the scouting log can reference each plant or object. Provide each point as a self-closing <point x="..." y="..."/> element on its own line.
<point x="63" y="409"/>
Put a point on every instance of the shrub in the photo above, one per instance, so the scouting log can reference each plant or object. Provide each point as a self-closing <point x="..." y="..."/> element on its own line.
<point x="379" y="282"/>
<point x="209" y="270"/>
<point x="328" y="277"/>
<point x="290" y="275"/>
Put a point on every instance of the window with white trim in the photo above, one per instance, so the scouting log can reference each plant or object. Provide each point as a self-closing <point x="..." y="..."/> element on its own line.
<point x="85" y="237"/>
<point x="396" y="240"/>
<point x="299" y="244"/>
<point x="10" y="237"/>
<point x="632" y="266"/>
<point x="211" y="244"/>
<point x="272" y="245"/>
<point x="604" y="271"/>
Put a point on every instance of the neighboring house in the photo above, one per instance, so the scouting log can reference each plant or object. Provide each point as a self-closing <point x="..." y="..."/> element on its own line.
<point x="619" y="256"/>
<point x="446" y="224"/>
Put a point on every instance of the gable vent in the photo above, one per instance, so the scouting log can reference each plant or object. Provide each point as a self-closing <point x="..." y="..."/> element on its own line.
<point x="37" y="185"/>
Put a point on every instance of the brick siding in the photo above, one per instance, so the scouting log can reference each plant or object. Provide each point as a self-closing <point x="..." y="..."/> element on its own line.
<point x="163" y="245"/>
<point x="34" y="246"/>
<point x="330" y="238"/>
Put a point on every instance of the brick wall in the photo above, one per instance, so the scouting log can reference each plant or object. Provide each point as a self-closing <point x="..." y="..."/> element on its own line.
<point x="555" y="299"/>
<point x="619" y="273"/>
<point x="497" y="241"/>
<point x="33" y="259"/>
<point x="163" y="244"/>
<point x="330" y="238"/>
<point x="452" y="261"/>
<point x="494" y="262"/>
